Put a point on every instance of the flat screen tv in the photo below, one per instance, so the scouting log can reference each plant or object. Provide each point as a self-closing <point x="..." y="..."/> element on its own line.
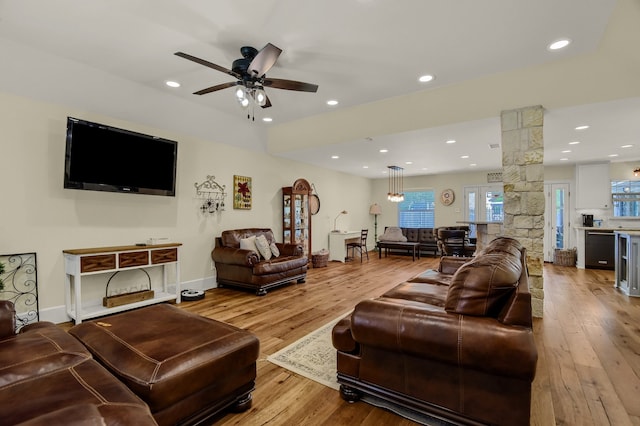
<point x="105" y="158"/>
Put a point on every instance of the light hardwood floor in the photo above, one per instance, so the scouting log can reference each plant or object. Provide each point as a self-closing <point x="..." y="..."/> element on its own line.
<point x="588" y="345"/>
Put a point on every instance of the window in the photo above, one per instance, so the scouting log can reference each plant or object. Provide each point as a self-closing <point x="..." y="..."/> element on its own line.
<point x="417" y="210"/>
<point x="626" y="198"/>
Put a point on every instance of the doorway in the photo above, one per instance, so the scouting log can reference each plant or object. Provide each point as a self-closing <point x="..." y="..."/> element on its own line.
<point x="483" y="204"/>
<point x="556" y="219"/>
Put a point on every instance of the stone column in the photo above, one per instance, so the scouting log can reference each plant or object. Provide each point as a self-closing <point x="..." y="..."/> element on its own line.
<point x="524" y="201"/>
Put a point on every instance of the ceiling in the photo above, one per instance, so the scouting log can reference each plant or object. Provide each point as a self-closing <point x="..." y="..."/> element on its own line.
<point x="113" y="57"/>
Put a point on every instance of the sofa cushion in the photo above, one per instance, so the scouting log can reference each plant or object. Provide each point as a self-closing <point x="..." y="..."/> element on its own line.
<point x="263" y="247"/>
<point x="231" y="238"/>
<point x="393" y="233"/>
<point x="274" y="250"/>
<point x="419" y="292"/>
<point x="44" y="348"/>
<point x="279" y="264"/>
<point x="249" y="243"/>
<point x="482" y="286"/>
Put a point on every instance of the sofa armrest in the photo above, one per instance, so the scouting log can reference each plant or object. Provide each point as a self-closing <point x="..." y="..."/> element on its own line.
<point x="234" y="256"/>
<point x="287" y="249"/>
<point x="423" y="330"/>
<point x="7" y="319"/>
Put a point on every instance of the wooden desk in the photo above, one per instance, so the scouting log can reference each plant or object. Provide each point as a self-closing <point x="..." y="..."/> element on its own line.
<point x="338" y="244"/>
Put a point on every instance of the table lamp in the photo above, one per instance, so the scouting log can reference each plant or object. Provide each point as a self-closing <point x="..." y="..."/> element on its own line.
<point x="335" y="221"/>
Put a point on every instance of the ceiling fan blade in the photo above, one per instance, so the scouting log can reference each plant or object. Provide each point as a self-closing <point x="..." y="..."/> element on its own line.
<point x="278" y="83"/>
<point x="268" y="103"/>
<point x="264" y="60"/>
<point x="208" y="64"/>
<point x="215" y="88"/>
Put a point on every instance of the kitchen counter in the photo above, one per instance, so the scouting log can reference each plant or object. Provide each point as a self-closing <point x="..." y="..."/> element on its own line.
<point x="581" y="240"/>
<point x="627" y="261"/>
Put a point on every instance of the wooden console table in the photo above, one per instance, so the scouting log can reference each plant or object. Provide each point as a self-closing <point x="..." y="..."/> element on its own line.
<point x="104" y="260"/>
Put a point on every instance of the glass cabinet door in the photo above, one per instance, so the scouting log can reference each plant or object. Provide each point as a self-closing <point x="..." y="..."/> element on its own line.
<point x="296" y="216"/>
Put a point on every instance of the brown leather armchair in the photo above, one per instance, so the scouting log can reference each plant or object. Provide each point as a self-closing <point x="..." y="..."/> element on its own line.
<point x="462" y="350"/>
<point x="245" y="268"/>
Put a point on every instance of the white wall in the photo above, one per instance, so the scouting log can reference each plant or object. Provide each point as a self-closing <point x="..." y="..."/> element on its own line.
<point x="38" y="215"/>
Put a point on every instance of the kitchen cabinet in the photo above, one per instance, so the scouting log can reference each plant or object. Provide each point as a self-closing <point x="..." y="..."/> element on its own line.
<point x="627" y="261"/>
<point x="593" y="186"/>
<point x="296" y="215"/>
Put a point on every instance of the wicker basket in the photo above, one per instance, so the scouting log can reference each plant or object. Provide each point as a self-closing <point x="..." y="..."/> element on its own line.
<point x="562" y="257"/>
<point x="320" y="258"/>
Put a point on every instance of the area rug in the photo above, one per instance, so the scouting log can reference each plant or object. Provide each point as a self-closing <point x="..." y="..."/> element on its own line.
<point x="314" y="357"/>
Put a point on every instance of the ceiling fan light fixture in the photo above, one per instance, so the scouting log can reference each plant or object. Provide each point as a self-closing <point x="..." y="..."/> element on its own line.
<point x="260" y="97"/>
<point x="244" y="102"/>
<point x="240" y="94"/>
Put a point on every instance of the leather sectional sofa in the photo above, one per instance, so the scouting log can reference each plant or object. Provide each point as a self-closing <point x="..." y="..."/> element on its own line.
<point x="456" y="343"/>
<point x="247" y="268"/>
<point x="157" y="365"/>
<point x="47" y="377"/>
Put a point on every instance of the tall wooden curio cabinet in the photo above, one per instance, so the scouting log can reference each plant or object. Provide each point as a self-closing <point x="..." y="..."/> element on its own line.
<point x="296" y="215"/>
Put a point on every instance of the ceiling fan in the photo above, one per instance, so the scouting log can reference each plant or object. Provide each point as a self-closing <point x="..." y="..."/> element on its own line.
<point x="250" y="72"/>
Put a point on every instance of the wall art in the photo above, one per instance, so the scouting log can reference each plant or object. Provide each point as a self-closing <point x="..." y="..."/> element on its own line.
<point x="242" y="192"/>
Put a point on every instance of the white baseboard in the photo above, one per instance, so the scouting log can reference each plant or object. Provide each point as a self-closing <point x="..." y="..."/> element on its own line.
<point x="58" y="314"/>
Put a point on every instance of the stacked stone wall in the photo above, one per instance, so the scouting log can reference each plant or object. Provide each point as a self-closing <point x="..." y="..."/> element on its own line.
<point x="524" y="200"/>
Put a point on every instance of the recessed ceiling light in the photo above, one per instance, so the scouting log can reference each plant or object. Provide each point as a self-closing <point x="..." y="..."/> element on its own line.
<point x="267" y="119"/>
<point x="559" y="44"/>
<point x="450" y="141"/>
<point x="408" y="162"/>
<point x="473" y="164"/>
<point x="365" y="167"/>
<point x="425" y="168"/>
<point x="564" y="159"/>
<point x="566" y="151"/>
<point x="172" y="83"/>
<point x="332" y="102"/>
<point x="574" y="143"/>
<point x="426" y="78"/>
<point x="335" y="157"/>
<point x="464" y="156"/>
<point x="384" y="150"/>
<point x="584" y="127"/>
<point x="612" y="155"/>
<point x="626" y="146"/>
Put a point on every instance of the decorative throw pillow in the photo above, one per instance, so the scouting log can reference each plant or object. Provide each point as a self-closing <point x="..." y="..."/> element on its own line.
<point x="274" y="250"/>
<point x="263" y="247"/>
<point x="393" y="233"/>
<point x="249" y="244"/>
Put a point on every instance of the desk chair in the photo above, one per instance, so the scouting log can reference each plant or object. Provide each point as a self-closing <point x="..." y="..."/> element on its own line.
<point x="360" y="245"/>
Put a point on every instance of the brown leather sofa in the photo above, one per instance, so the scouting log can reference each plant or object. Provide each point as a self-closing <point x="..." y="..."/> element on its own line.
<point x="157" y="365"/>
<point x="460" y="348"/>
<point x="47" y="377"/>
<point x="425" y="236"/>
<point x="245" y="268"/>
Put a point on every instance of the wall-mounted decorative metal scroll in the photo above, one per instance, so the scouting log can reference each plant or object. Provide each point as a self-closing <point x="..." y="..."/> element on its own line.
<point x="20" y="285"/>
<point x="212" y="195"/>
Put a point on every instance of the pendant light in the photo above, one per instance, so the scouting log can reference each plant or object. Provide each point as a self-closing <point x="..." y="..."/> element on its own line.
<point x="396" y="184"/>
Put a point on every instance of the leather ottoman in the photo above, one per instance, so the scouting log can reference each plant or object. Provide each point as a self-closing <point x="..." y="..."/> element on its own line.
<point x="184" y="366"/>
